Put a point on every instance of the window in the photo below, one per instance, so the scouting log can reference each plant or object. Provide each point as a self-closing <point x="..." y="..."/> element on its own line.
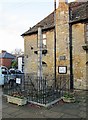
<point x="44" y="40"/>
<point x="86" y="33"/>
<point x="44" y="64"/>
<point x="87" y="26"/>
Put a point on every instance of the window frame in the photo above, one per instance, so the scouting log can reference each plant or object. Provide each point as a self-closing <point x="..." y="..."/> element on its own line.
<point x="45" y="38"/>
<point x="86" y="31"/>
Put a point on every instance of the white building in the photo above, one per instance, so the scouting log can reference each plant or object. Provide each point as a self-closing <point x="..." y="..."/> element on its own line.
<point x="21" y="63"/>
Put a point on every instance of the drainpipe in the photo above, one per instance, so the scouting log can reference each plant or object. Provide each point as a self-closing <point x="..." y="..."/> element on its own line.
<point x="55" y="42"/>
<point x="70" y="50"/>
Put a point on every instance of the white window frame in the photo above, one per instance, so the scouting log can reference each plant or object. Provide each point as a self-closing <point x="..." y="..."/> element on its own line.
<point x="44" y="40"/>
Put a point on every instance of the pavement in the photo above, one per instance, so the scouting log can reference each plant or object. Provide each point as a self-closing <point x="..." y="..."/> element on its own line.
<point x="58" y="110"/>
<point x="0" y="103"/>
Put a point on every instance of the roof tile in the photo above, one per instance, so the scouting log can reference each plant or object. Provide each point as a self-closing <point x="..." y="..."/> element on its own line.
<point x="6" y="55"/>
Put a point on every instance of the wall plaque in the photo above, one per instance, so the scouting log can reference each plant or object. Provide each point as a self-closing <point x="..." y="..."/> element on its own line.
<point x="62" y="58"/>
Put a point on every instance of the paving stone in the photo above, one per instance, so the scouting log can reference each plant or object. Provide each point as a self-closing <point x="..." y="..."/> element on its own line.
<point x="29" y="115"/>
<point x="83" y="109"/>
<point x="74" y="110"/>
<point x="67" y="108"/>
<point x="61" y="110"/>
<point x="31" y="108"/>
<point x="69" y="116"/>
<point x="52" y="114"/>
<point x="10" y="110"/>
<point x="82" y="114"/>
<point x="0" y="110"/>
<point x="0" y="105"/>
<point x="83" y="104"/>
<point x="5" y="115"/>
<point x="16" y="113"/>
<point x="0" y="115"/>
<point x="4" y="106"/>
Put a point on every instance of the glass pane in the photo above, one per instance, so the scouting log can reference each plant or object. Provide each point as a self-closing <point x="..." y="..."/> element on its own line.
<point x="44" y="42"/>
<point x="87" y="33"/>
<point x="87" y="26"/>
<point x="44" y="36"/>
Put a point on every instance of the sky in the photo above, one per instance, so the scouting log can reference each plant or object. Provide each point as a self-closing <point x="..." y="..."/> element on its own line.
<point x="17" y="16"/>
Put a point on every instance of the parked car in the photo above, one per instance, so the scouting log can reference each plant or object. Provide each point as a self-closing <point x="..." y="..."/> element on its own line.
<point x="18" y="71"/>
<point x="9" y="76"/>
<point x="14" y="71"/>
<point x="3" y="72"/>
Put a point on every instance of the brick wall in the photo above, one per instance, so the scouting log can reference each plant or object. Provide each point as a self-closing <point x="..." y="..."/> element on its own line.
<point x="6" y="62"/>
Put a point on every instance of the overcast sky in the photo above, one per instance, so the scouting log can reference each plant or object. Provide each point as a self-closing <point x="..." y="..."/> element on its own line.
<point x="17" y="16"/>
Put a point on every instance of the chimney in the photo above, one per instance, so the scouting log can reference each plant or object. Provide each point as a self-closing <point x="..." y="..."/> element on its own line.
<point x="3" y="51"/>
<point x="61" y="1"/>
<point x="63" y="5"/>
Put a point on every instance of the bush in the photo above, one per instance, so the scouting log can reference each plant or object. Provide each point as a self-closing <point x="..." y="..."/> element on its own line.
<point x="14" y="64"/>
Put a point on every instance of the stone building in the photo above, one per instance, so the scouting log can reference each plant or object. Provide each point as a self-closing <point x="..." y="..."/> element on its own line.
<point x="71" y="44"/>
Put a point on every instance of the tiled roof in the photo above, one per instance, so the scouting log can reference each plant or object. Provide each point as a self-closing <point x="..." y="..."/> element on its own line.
<point x="6" y="55"/>
<point x="46" y="23"/>
<point x="79" y="11"/>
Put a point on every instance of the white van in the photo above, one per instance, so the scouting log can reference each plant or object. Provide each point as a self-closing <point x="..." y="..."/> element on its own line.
<point x="3" y="71"/>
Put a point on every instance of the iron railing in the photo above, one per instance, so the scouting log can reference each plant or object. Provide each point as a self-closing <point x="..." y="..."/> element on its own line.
<point x="13" y="83"/>
<point x="41" y="91"/>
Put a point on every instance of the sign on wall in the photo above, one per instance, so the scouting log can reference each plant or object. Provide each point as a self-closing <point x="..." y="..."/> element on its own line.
<point x="18" y="80"/>
<point x="62" y="58"/>
<point x="62" y="69"/>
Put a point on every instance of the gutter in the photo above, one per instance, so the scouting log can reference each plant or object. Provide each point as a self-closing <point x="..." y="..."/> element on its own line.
<point x="36" y="31"/>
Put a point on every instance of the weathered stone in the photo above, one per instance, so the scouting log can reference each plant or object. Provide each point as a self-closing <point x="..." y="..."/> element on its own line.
<point x="62" y="48"/>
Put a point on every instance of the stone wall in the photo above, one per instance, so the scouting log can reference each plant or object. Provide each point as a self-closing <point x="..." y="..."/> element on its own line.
<point x="31" y="58"/>
<point x="79" y="56"/>
<point x="87" y="68"/>
<point x="62" y="30"/>
<point x="62" y="50"/>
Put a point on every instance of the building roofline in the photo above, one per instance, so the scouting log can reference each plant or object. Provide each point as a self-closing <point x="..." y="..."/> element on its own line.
<point x="45" y="23"/>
